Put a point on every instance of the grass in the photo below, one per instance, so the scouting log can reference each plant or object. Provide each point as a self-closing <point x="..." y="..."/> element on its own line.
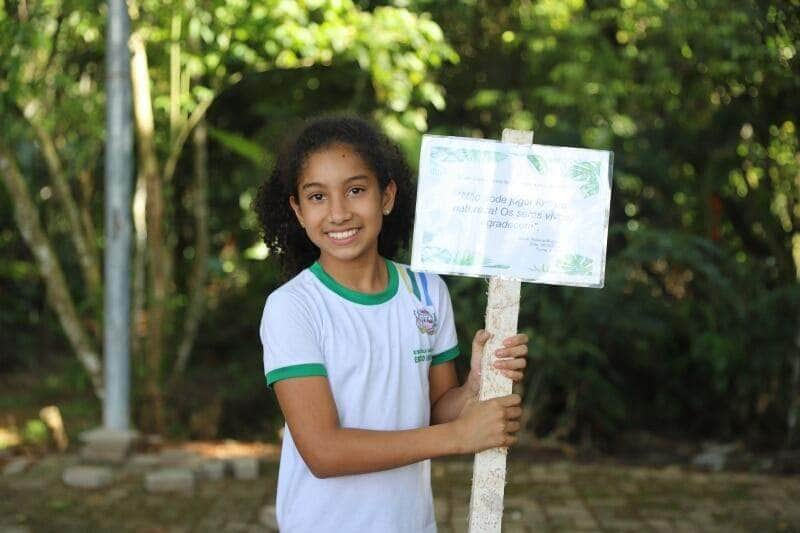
<point x="25" y="394"/>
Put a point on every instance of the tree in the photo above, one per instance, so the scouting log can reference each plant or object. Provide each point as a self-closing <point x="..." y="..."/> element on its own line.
<point x="208" y="48"/>
<point x="695" y="101"/>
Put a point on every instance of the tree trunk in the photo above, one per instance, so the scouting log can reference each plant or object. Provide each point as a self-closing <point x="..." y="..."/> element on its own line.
<point x="157" y="283"/>
<point x="175" y="115"/>
<point x="794" y="404"/>
<point x="27" y="218"/>
<point x="139" y="265"/>
<point x="87" y="186"/>
<point x="197" y="287"/>
<point x="87" y="257"/>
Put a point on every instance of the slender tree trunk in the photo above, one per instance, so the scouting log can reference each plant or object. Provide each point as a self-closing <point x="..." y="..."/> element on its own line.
<point x="27" y="218"/>
<point x="794" y="405"/>
<point x="793" y="414"/>
<point x="87" y="257"/>
<point x="138" y="314"/>
<point x="87" y="186"/>
<point x="183" y="135"/>
<point x="194" y="313"/>
<point x="157" y="282"/>
<point x="175" y="116"/>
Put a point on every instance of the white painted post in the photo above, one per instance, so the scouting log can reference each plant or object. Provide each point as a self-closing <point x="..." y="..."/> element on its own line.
<point x="502" y="312"/>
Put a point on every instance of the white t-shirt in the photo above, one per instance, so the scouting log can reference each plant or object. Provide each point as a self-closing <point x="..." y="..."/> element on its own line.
<point x="376" y="351"/>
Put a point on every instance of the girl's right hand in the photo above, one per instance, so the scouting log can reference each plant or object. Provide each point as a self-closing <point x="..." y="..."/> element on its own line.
<point x="488" y="424"/>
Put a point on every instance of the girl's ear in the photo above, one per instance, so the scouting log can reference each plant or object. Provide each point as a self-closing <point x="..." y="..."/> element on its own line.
<point x="389" y="195"/>
<point x="296" y="208"/>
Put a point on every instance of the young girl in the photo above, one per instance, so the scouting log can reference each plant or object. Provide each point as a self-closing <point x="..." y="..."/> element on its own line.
<point x="359" y="349"/>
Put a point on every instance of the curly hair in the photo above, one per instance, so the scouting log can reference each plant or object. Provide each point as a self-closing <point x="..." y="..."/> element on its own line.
<point x="282" y="232"/>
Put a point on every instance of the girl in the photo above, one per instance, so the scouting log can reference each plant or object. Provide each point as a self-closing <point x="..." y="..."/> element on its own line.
<point x="359" y="349"/>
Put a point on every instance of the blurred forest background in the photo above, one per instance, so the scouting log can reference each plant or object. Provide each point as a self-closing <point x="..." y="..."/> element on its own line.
<point x="696" y="335"/>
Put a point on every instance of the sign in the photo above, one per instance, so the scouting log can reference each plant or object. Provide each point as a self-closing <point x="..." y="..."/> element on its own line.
<point x="529" y="212"/>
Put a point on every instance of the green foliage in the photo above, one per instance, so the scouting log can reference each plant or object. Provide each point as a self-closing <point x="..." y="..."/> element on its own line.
<point x="51" y="69"/>
<point x="35" y="432"/>
<point x="695" y="101"/>
<point x="240" y="146"/>
<point x="223" y="41"/>
<point x="681" y="339"/>
<point x="694" y="329"/>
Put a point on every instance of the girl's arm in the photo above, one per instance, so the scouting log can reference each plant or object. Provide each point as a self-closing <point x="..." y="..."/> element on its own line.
<point x="331" y="450"/>
<point x="448" y="399"/>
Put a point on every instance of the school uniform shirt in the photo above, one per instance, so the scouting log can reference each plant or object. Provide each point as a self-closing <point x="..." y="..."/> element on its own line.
<point x="376" y="351"/>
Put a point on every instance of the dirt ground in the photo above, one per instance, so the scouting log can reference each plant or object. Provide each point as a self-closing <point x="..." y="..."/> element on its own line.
<point x="541" y="495"/>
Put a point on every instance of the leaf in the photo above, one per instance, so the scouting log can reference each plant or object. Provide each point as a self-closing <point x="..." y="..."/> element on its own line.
<point x="240" y="145"/>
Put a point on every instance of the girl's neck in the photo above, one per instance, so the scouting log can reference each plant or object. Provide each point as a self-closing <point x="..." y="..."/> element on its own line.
<point x="367" y="274"/>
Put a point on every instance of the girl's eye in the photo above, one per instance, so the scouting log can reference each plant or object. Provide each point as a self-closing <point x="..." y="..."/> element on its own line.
<point x="356" y="190"/>
<point x="315" y="197"/>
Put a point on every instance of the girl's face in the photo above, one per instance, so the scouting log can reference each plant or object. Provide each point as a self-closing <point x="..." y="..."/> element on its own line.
<point x="340" y="204"/>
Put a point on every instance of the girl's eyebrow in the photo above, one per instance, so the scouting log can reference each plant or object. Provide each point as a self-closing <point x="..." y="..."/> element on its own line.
<point x="348" y="180"/>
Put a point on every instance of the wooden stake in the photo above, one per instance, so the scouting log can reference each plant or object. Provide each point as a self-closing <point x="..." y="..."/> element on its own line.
<point x="502" y="312"/>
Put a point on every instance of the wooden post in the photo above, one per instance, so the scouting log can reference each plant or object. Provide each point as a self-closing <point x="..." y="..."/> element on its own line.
<point x="502" y="312"/>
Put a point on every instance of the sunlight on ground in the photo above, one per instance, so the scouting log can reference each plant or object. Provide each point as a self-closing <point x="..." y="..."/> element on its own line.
<point x="9" y="438"/>
<point x="230" y="448"/>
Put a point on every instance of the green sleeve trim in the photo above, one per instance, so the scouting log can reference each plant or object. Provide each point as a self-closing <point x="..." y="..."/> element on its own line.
<point x="296" y="371"/>
<point x="445" y="356"/>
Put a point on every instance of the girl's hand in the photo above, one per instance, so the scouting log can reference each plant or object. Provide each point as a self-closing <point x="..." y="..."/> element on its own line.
<point x="488" y="424"/>
<point x="511" y="361"/>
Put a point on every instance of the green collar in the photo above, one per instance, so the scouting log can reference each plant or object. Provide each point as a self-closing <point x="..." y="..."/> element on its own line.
<point x="356" y="296"/>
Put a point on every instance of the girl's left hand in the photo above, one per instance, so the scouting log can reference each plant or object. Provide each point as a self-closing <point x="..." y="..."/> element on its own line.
<point x="510" y="359"/>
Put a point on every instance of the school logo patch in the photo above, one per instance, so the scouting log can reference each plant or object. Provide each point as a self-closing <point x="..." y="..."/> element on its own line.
<point x="426" y="321"/>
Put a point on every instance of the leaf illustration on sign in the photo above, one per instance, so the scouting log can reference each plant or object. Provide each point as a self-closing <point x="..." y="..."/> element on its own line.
<point x="575" y="265"/>
<point x="435" y="254"/>
<point x="537" y="162"/>
<point x="587" y="173"/>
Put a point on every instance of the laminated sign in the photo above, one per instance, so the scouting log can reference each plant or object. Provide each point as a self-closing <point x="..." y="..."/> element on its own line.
<point x="530" y="212"/>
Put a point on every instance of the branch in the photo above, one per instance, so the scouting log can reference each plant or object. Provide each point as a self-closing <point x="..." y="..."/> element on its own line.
<point x="27" y="218"/>
<point x="154" y="211"/>
<point x="86" y="179"/>
<point x="194" y="313"/>
<point x="177" y="146"/>
<point x="86" y="255"/>
<point x="54" y="41"/>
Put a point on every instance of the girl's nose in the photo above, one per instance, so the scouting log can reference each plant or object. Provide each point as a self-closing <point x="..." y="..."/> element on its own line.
<point x="339" y="212"/>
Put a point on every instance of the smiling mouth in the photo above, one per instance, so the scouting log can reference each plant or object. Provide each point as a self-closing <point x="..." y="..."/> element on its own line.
<point x="342" y="235"/>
